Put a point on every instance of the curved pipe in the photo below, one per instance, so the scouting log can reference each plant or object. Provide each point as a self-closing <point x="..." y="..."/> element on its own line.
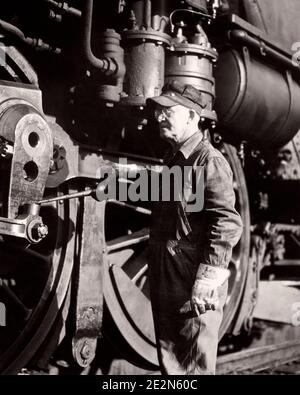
<point x="33" y="42"/>
<point x="14" y="31"/>
<point x="106" y="64"/>
<point x="64" y="8"/>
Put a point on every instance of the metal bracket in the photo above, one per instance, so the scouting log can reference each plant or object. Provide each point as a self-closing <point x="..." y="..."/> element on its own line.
<point x="29" y="227"/>
<point x="89" y="283"/>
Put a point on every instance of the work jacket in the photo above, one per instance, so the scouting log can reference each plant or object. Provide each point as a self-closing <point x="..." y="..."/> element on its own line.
<point x="210" y="227"/>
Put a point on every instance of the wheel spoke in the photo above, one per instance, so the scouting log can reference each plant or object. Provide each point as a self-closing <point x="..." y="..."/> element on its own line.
<point x="17" y="251"/>
<point x="138" y="209"/>
<point x="129" y="240"/>
<point x="295" y="239"/>
<point x="140" y="273"/>
<point x="36" y="255"/>
<point x="12" y="297"/>
<point x="119" y="258"/>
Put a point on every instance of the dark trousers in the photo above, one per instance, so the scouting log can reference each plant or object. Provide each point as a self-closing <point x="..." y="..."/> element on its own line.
<point x="186" y="344"/>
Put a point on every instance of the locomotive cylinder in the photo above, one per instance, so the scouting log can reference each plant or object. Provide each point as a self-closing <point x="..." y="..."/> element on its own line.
<point x="256" y="102"/>
<point x="192" y="63"/>
<point x="145" y="65"/>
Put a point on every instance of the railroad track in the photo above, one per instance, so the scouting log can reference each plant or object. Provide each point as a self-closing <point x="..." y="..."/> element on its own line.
<point x="276" y="351"/>
<point x="283" y="359"/>
<point x="270" y="358"/>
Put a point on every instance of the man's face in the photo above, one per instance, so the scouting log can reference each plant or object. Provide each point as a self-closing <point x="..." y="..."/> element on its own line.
<point x="173" y="123"/>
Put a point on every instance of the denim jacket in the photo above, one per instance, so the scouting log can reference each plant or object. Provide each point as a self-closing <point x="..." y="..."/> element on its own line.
<point x="208" y="235"/>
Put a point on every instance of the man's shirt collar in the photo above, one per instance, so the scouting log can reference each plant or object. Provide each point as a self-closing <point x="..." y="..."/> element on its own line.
<point x="184" y="152"/>
<point x="190" y="144"/>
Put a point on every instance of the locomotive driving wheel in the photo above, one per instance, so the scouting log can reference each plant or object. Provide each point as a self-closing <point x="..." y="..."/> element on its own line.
<point x="239" y="262"/>
<point x="34" y="285"/>
<point x="34" y="279"/>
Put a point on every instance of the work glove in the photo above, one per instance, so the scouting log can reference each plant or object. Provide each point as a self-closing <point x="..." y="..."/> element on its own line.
<point x="205" y="295"/>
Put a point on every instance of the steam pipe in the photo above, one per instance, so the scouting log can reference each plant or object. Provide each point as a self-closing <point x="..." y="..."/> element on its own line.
<point x="147" y="13"/>
<point x="106" y="65"/>
<point x="264" y="48"/>
<point x="14" y="31"/>
<point x="64" y="8"/>
<point x="33" y="42"/>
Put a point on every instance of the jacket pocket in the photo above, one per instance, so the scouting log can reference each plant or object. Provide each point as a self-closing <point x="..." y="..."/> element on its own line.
<point x="186" y="258"/>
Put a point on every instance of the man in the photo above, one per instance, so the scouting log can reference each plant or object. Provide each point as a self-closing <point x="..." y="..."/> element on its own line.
<point x="190" y="250"/>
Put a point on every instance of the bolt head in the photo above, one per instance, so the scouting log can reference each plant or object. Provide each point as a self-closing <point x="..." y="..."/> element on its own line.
<point x="85" y="352"/>
<point x="42" y="231"/>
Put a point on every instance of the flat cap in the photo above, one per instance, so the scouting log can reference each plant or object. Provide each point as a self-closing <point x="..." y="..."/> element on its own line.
<point x="175" y="92"/>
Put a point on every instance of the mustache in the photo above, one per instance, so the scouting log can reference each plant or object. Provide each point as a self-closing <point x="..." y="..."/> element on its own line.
<point x="164" y="124"/>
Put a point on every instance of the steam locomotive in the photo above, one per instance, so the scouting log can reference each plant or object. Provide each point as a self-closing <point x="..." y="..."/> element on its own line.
<point x="74" y="79"/>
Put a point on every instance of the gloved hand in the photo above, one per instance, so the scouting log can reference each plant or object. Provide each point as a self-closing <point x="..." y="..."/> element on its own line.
<point x="204" y="297"/>
<point x="204" y="294"/>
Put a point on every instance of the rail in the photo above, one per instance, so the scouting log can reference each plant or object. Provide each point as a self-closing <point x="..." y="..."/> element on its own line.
<point x="260" y="358"/>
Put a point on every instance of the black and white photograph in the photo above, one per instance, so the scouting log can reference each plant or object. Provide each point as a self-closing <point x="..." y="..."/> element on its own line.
<point x="149" y="190"/>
